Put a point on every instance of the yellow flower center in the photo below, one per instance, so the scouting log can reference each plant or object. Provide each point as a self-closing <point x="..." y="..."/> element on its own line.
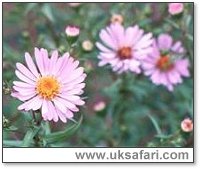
<point x="164" y="63"/>
<point x="48" y="87"/>
<point x="124" y="53"/>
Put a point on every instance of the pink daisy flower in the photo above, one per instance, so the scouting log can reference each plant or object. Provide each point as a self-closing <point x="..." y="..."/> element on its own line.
<point x="123" y="48"/>
<point x="165" y="64"/>
<point x="53" y="84"/>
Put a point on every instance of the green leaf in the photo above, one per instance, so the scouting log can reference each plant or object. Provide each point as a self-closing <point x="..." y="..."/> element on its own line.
<point x="46" y="127"/>
<point x="175" y="25"/>
<point x="29" y="7"/>
<point x="188" y="20"/>
<point x="28" y="138"/>
<point x="11" y="128"/>
<point x="113" y="90"/>
<point x="158" y="130"/>
<point x="190" y="37"/>
<point x="47" y="11"/>
<point x="12" y="143"/>
<point x="62" y="135"/>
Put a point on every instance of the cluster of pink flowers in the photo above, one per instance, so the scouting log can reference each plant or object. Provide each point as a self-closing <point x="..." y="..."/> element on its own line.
<point x="55" y="84"/>
<point x="131" y="50"/>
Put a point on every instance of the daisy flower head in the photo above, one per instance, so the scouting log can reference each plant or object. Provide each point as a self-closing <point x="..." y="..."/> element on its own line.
<point x="52" y="85"/>
<point x="123" y="48"/>
<point x="166" y="65"/>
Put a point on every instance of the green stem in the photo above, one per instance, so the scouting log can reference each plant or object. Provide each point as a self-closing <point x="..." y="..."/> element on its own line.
<point x="38" y="124"/>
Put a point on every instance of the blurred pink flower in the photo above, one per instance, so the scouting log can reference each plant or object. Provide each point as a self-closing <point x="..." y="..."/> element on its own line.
<point x="187" y="125"/>
<point x="72" y="31"/>
<point x="53" y="85"/>
<point x="175" y="8"/>
<point x="74" y="4"/>
<point x="165" y="64"/>
<point x="99" y="106"/>
<point x="123" y="48"/>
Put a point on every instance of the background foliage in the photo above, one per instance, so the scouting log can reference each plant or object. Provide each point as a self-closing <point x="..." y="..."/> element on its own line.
<point x="137" y="113"/>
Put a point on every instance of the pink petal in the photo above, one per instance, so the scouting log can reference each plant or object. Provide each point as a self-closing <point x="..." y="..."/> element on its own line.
<point x="53" y="112"/>
<point x="102" y="63"/>
<point x="70" y="66"/>
<point x="45" y="59"/>
<point x="74" y="75"/>
<point x="147" y="65"/>
<point x="107" y="39"/>
<point x="22" y="84"/>
<point x="80" y="79"/>
<point x="182" y="67"/>
<point x="69" y="114"/>
<point x="39" y="60"/>
<point x="36" y="103"/>
<point x="49" y="115"/>
<point x="24" y="97"/>
<point x="69" y="87"/>
<point x="58" y="65"/>
<point x="59" y="105"/>
<point x="102" y="48"/>
<point x="25" y="71"/>
<point x="66" y="103"/>
<point x="69" y="97"/>
<point x="61" y="116"/>
<point x="26" y="105"/>
<point x="134" y="64"/>
<point x="144" y="42"/>
<point x="164" y="78"/>
<point x="130" y="34"/>
<point x="107" y="55"/>
<point x="24" y="78"/>
<point x="170" y="87"/>
<point x="174" y="77"/>
<point x="24" y="90"/>
<point x="118" y="66"/>
<point x="73" y="92"/>
<point x="149" y="72"/>
<point x="64" y="64"/>
<point x="142" y="53"/>
<point x="118" y="33"/>
<point x="44" y="109"/>
<point x="138" y="36"/>
<point x="53" y="61"/>
<point x="176" y="46"/>
<point x="155" y="77"/>
<point x="31" y="65"/>
<point x="164" y="41"/>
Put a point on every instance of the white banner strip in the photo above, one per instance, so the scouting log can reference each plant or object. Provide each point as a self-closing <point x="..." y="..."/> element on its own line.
<point x="97" y="155"/>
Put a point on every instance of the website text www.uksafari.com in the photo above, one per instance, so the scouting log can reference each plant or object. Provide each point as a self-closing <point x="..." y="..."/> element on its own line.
<point x="132" y="155"/>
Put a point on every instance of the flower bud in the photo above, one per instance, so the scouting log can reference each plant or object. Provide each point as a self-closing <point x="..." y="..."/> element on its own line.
<point x="187" y="125"/>
<point x="117" y="18"/>
<point x="175" y="8"/>
<point x="72" y="33"/>
<point x="99" y="106"/>
<point x="87" y="45"/>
